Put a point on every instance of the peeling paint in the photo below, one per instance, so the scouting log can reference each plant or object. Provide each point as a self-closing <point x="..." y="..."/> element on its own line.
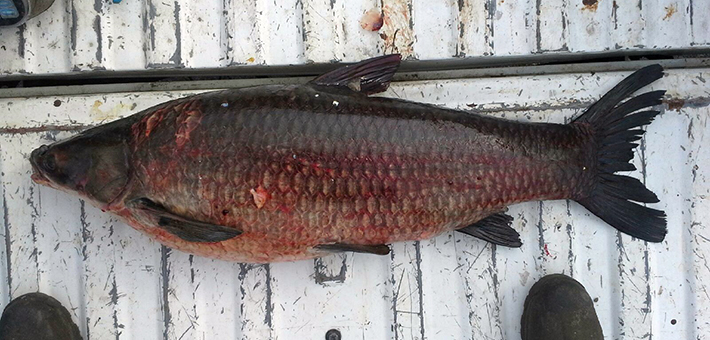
<point x="101" y="116"/>
<point x="397" y="30"/>
<point x="325" y="273"/>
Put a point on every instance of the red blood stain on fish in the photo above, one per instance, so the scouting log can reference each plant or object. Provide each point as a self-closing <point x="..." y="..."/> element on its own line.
<point x="372" y="20"/>
<point x="147" y="124"/>
<point x="199" y="152"/>
<point x="153" y="120"/>
<point x="154" y="166"/>
<point x="285" y="209"/>
<point x="187" y="122"/>
<point x="260" y="196"/>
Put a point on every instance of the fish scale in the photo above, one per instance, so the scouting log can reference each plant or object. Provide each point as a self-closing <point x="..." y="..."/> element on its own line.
<point x="430" y="175"/>
<point x="286" y="172"/>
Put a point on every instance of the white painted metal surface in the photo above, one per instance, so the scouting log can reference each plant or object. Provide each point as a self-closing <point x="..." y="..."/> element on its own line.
<point x="120" y="285"/>
<point x="82" y="35"/>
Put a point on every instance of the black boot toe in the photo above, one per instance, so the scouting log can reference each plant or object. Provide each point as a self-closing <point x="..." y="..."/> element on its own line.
<point x="37" y="316"/>
<point x="559" y="308"/>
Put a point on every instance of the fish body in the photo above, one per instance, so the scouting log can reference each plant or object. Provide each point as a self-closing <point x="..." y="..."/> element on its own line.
<point x="288" y="172"/>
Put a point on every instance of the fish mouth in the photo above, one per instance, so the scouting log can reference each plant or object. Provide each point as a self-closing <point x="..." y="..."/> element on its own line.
<point x="37" y="175"/>
<point x="39" y="178"/>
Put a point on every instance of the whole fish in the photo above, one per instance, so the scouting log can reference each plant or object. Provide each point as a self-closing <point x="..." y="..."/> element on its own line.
<point x="287" y="172"/>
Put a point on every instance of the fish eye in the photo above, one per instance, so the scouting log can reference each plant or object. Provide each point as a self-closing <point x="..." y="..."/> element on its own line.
<point x="49" y="163"/>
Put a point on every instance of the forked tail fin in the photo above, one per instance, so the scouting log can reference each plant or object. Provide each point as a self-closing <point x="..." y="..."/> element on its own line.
<point x="616" y="127"/>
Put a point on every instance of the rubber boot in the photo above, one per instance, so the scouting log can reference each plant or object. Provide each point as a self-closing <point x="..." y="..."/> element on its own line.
<point x="37" y="316"/>
<point x="16" y="12"/>
<point x="559" y="308"/>
<point x="38" y="7"/>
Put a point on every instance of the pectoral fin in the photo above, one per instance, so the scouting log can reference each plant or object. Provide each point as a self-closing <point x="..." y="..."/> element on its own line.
<point x="495" y="229"/>
<point x="186" y="229"/>
<point x="368" y="76"/>
<point x="377" y="249"/>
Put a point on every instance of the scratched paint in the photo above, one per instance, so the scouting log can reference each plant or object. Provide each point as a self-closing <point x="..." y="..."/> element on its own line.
<point x="452" y="286"/>
<point x="84" y="35"/>
<point x="327" y="36"/>
<point x="398" y="27"/>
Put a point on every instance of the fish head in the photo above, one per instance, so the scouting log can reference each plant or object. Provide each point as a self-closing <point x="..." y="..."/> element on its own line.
<point x="89" y="165"/>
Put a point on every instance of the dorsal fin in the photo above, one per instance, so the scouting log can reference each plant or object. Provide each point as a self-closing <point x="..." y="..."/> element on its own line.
<point x="368" y="76"/>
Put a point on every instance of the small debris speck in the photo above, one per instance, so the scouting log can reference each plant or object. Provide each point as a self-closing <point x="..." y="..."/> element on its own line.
<point x="590" y="5"/>
<point x="670" y="10"/>
<point x="372" y="20"/>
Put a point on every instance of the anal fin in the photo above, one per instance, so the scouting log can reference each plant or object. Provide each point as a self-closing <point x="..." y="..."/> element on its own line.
<point x="495" y="229"/>
<point x="186" y="229"/>
<point x="377" y="249"/>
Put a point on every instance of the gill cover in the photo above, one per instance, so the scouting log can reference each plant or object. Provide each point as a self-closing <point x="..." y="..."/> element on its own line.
<point x="94" y="163"/>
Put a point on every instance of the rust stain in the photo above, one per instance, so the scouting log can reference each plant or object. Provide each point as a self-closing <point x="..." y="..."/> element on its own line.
<point x="675" y="103"/>
<point x="670" y="10"/>
<point x="372" y="20"/>
<point x="396" y="30"/>
<point x="590" y="5"/>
